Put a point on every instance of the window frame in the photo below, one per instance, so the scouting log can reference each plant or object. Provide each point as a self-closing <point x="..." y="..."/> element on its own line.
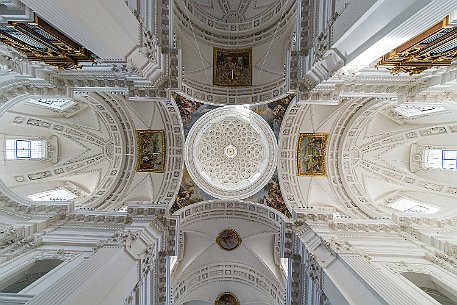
<point x="414" y="204"/>
<point x="51" y="192"/>
<point x="12" y="152"/>
<point x="435" y="108"/>
<point x="420" y="159"/>
<point x="39" y="101"/>
<point x="441" y="161"/>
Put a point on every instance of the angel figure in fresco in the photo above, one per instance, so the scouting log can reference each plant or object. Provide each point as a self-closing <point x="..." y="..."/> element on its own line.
<point x="184" y="197"/>
<point x="186" y="108"/>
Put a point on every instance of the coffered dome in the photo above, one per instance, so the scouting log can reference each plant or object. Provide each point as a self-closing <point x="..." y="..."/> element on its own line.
<point x="231" y="152"/>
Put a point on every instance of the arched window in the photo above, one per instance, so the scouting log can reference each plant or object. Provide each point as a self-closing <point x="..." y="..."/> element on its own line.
<point x="23" y="279"/>
<point x="33" y="148"/>
<point x="433" y="287"/>
<point x="433" y="158"/>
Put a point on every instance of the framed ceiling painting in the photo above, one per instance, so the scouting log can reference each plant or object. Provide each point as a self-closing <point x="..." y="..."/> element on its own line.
<point x="232" y="67"/>
<point x="227" y="298"/>
<point x="150" y="151"/>
<point x="311" y="153"/>
<point x="228" y="239"/>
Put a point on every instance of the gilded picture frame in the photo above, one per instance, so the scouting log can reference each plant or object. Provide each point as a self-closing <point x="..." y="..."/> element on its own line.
<point x="227" y="298"/>
<point x="151" y="150"/>
<point x="232" y="67"/>
<point x="311" y="154"/>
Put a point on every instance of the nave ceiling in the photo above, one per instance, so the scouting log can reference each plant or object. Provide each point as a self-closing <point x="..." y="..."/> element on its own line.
<point x="296" y="89"/>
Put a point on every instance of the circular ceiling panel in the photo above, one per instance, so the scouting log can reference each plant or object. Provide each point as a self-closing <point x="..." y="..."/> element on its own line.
<point x="231" y="152"/>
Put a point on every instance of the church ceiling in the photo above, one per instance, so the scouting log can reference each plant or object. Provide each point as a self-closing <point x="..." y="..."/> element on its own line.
<point x="270" y="194"/>
<point x="220" y="20"/>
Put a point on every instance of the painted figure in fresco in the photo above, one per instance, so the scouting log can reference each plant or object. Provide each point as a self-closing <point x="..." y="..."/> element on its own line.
<point x="232" y="68"/>
<point x="227" y="299"/>
<point x="150" y="150"/>
<point x="312" y="164"/>
<point x="312" y="156"/>
<point x="274" y="198"/>
<point x="186" y="107"/>
<point x="184" y="197"/>
<point x="228" y="239"/>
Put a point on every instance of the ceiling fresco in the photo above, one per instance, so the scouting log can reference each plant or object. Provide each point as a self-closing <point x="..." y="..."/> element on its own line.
<point x="270" y="195"/>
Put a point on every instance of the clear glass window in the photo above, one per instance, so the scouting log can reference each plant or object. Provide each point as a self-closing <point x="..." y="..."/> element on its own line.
<point x="442" y="158"/>
<point x="407" y="205"/>
<point x="57" y="194"/>
<point x="58" y="103"/>
<point x="411" y="110"/>
<point x="23" y="149"/>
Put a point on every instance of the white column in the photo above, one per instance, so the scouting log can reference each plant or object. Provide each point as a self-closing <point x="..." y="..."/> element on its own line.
<point x="379" y="284"/>
<point x="106" y="277"/>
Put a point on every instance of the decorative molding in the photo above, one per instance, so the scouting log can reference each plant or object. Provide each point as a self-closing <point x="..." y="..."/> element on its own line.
<point x="248" y="32"/>
<point x="233" y="96"/>
<point x="217" y="272"/>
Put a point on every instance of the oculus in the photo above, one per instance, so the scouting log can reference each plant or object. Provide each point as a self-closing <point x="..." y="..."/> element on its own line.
<point x="150" y="151"/>
<point x="311" y="154"/>
<point x="227" y="298"/>
<point x="228" y="239"/>
<point x="232" y="68"/>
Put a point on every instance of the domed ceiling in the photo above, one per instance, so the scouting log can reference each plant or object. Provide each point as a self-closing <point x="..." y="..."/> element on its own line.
<point x="231" y="152"/>
<point x="373" y="159"/>
<point x="83" y="149"/>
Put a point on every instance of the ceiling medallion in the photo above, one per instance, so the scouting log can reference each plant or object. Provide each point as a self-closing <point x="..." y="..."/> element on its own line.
<point x="228" y="239"/>
<point x="227" y="298"/>
<point x="231" y="152"/>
